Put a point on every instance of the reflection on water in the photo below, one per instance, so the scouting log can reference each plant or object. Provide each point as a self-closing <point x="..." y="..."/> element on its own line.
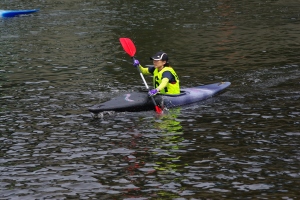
<point x="170" y="141"/>
<point x="55" y="64"/>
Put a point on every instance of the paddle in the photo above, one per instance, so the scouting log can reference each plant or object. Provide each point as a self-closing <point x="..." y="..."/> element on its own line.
<point x="130" y="49"/>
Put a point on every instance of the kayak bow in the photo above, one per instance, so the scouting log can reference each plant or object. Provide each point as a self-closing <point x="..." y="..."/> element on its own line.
<point x="14" y="13"/>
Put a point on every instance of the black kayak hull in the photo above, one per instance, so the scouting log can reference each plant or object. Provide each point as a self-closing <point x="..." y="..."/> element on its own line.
<point x="139" y="101"/>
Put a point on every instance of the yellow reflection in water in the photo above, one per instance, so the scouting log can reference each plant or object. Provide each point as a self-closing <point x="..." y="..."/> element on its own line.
<point x="171" y="137"/>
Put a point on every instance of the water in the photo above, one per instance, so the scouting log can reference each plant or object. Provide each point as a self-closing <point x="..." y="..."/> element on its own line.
<point x="241" y="144"/>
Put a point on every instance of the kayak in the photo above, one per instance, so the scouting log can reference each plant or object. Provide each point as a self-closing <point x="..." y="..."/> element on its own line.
<point x="13" y="13"/>
<point x="140" y="101"/>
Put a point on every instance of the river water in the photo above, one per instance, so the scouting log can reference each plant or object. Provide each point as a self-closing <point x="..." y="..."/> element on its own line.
<point x="241" y="144"/>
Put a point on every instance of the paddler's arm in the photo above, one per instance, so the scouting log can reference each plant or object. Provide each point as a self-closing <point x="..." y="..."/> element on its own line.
<point x="163" y="84"/>
<point x="144" y="70"/>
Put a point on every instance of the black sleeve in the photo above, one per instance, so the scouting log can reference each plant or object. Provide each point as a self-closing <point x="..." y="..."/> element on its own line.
<point x="168" y="75"/>
<point x="151" y="70"/>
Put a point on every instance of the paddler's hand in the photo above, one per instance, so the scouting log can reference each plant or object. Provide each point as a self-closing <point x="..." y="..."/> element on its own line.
<point x="136" y="63"/>
<point x="152" y="92"/>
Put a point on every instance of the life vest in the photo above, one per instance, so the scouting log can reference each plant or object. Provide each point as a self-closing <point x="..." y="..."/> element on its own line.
<point x="171" y="88"/>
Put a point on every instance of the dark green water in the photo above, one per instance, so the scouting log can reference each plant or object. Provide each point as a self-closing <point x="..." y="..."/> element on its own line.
<point x="241" y="144"/>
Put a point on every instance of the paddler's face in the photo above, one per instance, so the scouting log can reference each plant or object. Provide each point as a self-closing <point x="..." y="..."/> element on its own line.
<point x="159" y="64"/>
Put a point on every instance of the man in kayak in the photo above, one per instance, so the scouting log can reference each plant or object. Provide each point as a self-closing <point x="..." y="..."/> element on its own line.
<point x="165" y="79"/>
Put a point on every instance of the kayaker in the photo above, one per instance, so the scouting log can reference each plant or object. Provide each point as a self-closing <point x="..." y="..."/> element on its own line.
<point x="165" y="79"/>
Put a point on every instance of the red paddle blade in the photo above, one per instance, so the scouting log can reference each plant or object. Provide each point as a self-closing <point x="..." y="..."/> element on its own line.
<point x="128" y="46"/>
<point x="158" y="110"/>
